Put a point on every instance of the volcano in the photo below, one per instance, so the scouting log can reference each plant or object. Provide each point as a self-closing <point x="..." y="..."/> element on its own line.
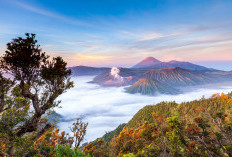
<point x="146" y="86"/>
<point x="147" y="62"/>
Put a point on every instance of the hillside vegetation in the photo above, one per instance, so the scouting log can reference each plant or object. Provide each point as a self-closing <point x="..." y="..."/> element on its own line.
<point x="197" y="128"/>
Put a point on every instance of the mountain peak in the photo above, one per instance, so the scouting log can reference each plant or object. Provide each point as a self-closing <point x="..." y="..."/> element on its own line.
<point x="173" y="61"/>
<point x="152" y="59"/>
<point x="149" y="61"/>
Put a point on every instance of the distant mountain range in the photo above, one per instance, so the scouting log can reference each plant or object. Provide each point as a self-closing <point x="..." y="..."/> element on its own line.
<point x="87" y="71"/>
<point x="152" y="63"/>
<point x="171" y="76"/>
<point x="152" y="76"/>
<point x="164" y="81"/>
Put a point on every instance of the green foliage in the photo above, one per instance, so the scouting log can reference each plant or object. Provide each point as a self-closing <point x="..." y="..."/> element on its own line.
<point x="175" y="135"/>
<point x="65" y="151"/>
<point x="129" y="155"/>
<point x="109" y="136"/>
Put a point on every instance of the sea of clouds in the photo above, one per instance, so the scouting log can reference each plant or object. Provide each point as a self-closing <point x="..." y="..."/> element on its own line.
<point x="104" y="108"/>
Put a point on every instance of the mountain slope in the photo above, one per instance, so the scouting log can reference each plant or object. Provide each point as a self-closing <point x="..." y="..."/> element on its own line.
<point x="183" y="65"/>
<point x="185" y="109"/>
<point x="85" y="70"/>
<point x="178" y="77"/>
<point x="149" y="61"/>
<point x="150" y="87"/>
<point x="196" y="128"/>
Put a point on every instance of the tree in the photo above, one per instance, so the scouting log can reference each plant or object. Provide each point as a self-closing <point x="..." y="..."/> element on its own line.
<point x="79" y="131"/>
<point x="31" y="93"/>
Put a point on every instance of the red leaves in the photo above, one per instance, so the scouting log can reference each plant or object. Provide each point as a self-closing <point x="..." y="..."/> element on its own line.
<point x="193" y="130"/>
<point x="191" y="146"/>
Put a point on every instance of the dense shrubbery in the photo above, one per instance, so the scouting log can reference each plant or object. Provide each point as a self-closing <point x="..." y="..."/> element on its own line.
<point x="197" y="128"/>
<point x="28" y="97"/>
<point x="65" y="151"/>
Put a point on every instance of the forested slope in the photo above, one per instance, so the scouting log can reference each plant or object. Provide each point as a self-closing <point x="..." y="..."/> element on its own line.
<point x="197" y="128"/>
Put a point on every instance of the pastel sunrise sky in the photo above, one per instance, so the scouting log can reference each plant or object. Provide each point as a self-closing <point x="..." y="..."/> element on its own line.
<point x="123" y="32"/>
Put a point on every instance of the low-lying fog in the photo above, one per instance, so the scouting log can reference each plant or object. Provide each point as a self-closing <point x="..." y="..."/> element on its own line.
<point x="105" y="108"/>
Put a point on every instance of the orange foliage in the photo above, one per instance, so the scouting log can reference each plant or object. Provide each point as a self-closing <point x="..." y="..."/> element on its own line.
<point x="193" y="130"/>
<point x="46" y="144"/>
<point x="227" y="119"/>
<point x="199" y="109"/>
<point x="191" y="146"/>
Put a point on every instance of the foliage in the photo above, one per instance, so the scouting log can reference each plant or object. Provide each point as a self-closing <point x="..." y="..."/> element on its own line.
<point x="47" y="143"/>
<point x="101" y="149"/>
<point x="197" y="128"/>
<point x="31" y="92"/>
<point x="79" y="130"/>
<point x="65" y="151"/>
<point x="109" y="135"/>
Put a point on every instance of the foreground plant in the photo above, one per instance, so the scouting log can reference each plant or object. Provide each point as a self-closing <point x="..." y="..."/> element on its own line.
<point x="35" y="84"/>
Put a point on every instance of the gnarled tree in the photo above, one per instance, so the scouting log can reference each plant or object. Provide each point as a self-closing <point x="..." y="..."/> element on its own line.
<point x="35" y="84"/>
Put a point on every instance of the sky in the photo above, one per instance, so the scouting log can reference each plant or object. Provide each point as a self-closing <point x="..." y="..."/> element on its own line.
<point x="123" y="32"/>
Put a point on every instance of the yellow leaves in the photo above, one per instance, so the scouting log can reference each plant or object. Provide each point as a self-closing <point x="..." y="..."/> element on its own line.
<point x="227" y="119"/>
<point x="159" y="119"/>
<point x="99" y="142"/>
<point x="213" y="136"/>
<point x="3" y="145"/>
<point x="88" y="147"/>
<point x="55" y="133"/>
<point x="229" y="101"/>
<point x="199" y="109"/>
<point x="223" y="96"/>
<point x="154" y="115"/>
<point x="62" y="134"/>
<point x="198" y="119"/>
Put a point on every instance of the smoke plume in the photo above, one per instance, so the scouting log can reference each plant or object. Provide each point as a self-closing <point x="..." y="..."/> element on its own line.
<point x="115" y="73"/>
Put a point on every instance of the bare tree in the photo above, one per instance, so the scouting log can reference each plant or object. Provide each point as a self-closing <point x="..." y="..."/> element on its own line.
<point x="79" y="130"/>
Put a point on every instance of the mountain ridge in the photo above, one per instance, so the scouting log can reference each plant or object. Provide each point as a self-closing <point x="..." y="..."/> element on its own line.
<point x="87" y="70"/>
<point x="146" y="86"/>
<point x="172" y="63"/>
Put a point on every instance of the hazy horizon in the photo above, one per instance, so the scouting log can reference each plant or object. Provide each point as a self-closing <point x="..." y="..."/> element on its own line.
<point x="219" y="65"/>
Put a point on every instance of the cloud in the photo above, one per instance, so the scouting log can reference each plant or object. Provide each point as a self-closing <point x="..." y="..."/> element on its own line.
<point x="176" y="43"/>
<point x="90" y="57"/>
<point x="105" y="108"/>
